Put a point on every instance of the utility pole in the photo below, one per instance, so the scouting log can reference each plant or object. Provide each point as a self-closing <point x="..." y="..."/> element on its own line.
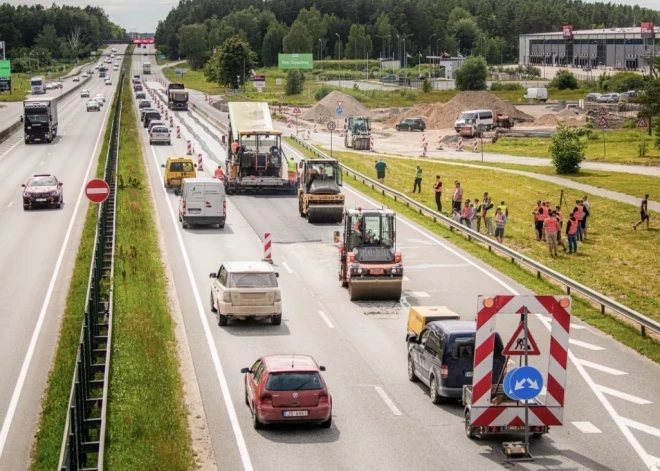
<point x="405" y="58"/>
<point x="431" y="53"/>
<point x="339" y="66"/>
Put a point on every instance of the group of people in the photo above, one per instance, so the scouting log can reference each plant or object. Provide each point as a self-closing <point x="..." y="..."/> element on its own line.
<point x="548" y="224"/>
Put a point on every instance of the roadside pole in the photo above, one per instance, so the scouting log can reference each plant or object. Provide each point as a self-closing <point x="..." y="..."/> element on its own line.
<point x="331" y="127"/>
<point x="296" y="111"/>
<point x="640" y="125"/>
<point x="525" y="316"/>
<point x="603" y="125"/>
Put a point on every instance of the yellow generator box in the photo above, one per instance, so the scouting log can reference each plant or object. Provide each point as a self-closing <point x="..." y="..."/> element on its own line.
<point x="419" y="316"/>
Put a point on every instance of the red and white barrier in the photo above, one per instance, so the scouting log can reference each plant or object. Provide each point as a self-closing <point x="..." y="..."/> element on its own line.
<point x="206" y="97"/>
<point x="210" y="101"/>
<point x="315" y="128"/>
<point x="288" y="122"/>
<point x="189" y="148"/>
<point x="459" y="147"/>
<point x="178" y="132"/>
<point x="200" y="162"/>
<point x="308" y="135"/>
<point x="166" y="114"/>
<point x="424" y="148"/>
<point x="372" y="147"/>
<point x="171" y="122"/>
<point x="268" y="257"/>
<point x="423" y="139"/>
<point x="440" y="144"/>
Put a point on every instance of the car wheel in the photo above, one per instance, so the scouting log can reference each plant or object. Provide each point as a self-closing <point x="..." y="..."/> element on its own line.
<point x="184" y="224"/>
<point x="222" y="320"/>
<point x="411" y="370"/>
<point x="247" y="401"/>
<point x="276" y="320"/>
<point x="26" y="207"/>
<point x="256" y="423"/>
<point x="537" y="435"/>
<point x="469" y="429"/>
<point x="327" y="423"/>
<point x="221" y="226"/>
<point x="397" y="128"/>
<point x="436" y="398"/>
<point x="213" y="309"/>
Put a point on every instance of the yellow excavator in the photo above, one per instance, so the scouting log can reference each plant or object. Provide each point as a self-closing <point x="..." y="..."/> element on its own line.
<point x="369" y="264"/>
<point x="319" y="196"/>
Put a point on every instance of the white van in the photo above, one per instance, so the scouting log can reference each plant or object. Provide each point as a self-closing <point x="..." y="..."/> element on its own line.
<point x="202" y="202"/>
<point x="540" y="94"/>
<point x="474" y="117"/>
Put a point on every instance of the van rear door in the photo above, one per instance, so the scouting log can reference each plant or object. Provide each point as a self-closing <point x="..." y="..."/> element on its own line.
<point x="214" y="199"/>
<point x="459" y="358"/>
<point x="193" y="195"/>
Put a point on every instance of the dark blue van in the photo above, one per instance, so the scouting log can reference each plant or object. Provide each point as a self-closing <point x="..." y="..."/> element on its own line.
<point x="442" y="357"/>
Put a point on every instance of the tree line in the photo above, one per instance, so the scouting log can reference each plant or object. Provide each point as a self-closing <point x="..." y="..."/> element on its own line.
<point x="362" y="29"/>
<point x="34" y="34"/>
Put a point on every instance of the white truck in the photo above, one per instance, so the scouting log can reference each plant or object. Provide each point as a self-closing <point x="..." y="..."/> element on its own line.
<point x="38" y="85"/>
<point x="146" y="68"/>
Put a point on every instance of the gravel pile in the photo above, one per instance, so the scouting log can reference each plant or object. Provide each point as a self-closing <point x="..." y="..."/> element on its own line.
<point x="326" y="109"/>
<point x="443" y="115"/>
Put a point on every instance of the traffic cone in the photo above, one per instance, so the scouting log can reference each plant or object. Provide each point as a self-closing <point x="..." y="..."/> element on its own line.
<point x="178" y="132"/>
<point x="459" y="148"/>
<point x="200" y="163"/>
<point x="189" y="148"/>
<point x="475" y="145"/>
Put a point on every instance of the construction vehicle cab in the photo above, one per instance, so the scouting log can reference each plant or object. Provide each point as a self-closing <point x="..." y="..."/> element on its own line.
<point x="357" y="132"/>
<point x="319" y="196"/>
<point x="368" y="261"/>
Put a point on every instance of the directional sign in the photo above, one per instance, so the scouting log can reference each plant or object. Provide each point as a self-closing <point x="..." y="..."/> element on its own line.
<point x="332" y="126"/>
<point x="641" y="123"/>
<point x="339" y="110"/>
<point x="281" y="98"/>
<point x="523" y="384"/>
<point x="339" y="103"/>
<point x="296" y="110"/>
<point x="603" y="111"/>
<point x="97" y="190"/>
<point x="603" y="122"/>
<point x="516" y="345"/>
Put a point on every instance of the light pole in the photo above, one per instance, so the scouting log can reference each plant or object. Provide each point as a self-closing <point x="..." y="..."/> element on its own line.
<point x="398" y="43"/>
<point x="339" y="66"/>
<point x="321" y="53"/>
<point x="381" y="52"/>
<point x="430" y="51"/>
<point x="405" y="56"/>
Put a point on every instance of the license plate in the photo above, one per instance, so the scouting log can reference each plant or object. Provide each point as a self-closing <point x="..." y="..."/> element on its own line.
<point x="295" y="413"/>
<point x="468" y="374"/>
<point x="194" y="211"/>
<point x="515" y="429"/>
<point x="377" y="271"/>
<point x="41" y="200"/>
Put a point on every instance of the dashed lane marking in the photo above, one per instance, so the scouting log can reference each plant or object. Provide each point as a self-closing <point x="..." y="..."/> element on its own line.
<point x="9" y="205"/>
<point x="586" y="427"/>
<point x="624" y="396"/>
<point x="386" y="399"/>
<point x="604" y="369"/>
<point x="588" y="346"/>
<point x="420" y="294"/>
<point x="326" y="319"/>
<point x="287" y="267"/>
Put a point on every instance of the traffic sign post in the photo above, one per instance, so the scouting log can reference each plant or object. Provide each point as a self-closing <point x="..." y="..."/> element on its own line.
<point x="296" y="111"/>
<point x="331" y="127"/>
<point x="603" y="125"/>
<point x="97" y="190"/>
<point x="641" y="124"/>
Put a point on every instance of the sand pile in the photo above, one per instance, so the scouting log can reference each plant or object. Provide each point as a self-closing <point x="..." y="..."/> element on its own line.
<point x="546" y="120"/>
<point x="567" y="114"/>
<point x="443" y="115"/>
<point x="326" y="109"/>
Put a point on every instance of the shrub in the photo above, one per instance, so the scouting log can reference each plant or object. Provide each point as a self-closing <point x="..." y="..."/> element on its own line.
<point x="499" y="86"/>
<point x="426" y="86"/>
<point x="295" y="81"/>
<point x="321" y="93"/>
<point x="564" y="80"/>
<point x="567" y="150"/>
<point x="630" y="124"/>
<point x="472" y="74"/>
<point x="623" y="81"/>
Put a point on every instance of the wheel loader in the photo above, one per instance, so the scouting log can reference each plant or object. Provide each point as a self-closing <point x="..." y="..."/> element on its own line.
<point x="369" y="264"/>
<point x="357" y="132"/>
<point x="319" y="196"/>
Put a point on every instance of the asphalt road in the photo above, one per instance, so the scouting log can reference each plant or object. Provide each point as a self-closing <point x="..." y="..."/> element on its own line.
<point x="381" y="420"/>
<point x="37" y="253"/>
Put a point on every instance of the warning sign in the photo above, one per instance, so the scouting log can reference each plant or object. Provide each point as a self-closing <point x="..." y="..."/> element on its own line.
<point x="296" y="110"/>
<point x="516" y="345"/>
<point x="603" y="122"/>
<point x="641" y="123"/>
<point x="603" y="111"/>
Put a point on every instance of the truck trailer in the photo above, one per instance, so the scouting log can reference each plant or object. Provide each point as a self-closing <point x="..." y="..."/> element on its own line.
<point x="40" y="119"/>
<point x="177" y="97"/>
<point x="146" y="68"/>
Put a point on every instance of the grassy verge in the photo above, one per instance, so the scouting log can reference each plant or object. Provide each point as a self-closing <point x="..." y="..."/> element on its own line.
<point x="46" y="450"/>
<point x="621" y="146"/>
<point x="147" y="418"/>
<point x="619" y="330"/>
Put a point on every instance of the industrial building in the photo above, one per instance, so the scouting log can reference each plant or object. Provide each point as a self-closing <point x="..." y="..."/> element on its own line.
<point x="615" y="48"/>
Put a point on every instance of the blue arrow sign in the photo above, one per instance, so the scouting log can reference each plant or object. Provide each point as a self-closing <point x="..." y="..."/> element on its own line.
<point x="523" y="384"/>
<point x="339" y="110"/>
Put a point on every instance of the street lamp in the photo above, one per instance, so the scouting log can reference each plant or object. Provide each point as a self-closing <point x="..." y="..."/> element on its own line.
<point x="405" y="56"/>
<point x="339" y="66"/>
<point x="382" y="46"/>
<point x="430" y="51"/>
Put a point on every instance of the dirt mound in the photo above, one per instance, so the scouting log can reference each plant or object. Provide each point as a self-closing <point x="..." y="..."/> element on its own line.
<point x="567" y="114"/>
<point x="326" y="109"/>
<point x="546" y="120"/>
<point x="443" y="115"/>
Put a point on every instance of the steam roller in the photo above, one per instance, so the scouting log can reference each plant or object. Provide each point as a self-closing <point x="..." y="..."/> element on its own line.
<point x="369" y="264"/>
<point x="319" y="194"/>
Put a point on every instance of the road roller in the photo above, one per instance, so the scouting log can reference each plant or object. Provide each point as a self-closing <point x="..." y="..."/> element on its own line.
<point x="319" y="194"/>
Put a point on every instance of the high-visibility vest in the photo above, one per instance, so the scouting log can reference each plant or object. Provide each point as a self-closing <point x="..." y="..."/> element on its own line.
<point x="438" y="187"/>
<point x="292" y="166"/>
<point x="418" y="173"/>
<point x="580" y="213"/>
<point x="502" y="208"/>
<point x="551" y="225"/>
<point x="543" y="214"/>
<point x="572" y="226"/>
<point x="219" y="173"/>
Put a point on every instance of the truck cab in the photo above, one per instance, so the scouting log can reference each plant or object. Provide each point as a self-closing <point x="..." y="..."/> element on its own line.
<point x="177" y="97"/>
<point x="40" y="119"/>
<point x="38" y="85"/>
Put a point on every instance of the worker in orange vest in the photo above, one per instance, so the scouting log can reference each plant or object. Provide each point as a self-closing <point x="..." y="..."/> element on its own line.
<point x="219" y="173"/>
<point x="571" y="233"/>
<point x="551" y="226"/>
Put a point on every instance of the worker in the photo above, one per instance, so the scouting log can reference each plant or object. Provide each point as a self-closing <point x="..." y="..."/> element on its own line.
<point x="357" y="227"/>
<point x="418" y="179"/>
<point x="291" y="169"/>
<point x="219" y="173"/>
<point x="234" y="147"/>
<point x="502" y="207"/>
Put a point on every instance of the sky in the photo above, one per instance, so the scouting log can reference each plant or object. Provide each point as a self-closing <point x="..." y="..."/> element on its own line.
<point x="143" y="15"/>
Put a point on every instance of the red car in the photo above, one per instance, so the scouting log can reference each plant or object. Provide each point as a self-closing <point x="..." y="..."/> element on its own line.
<point x="42" y="190"/>
<point x="287" y="388"/>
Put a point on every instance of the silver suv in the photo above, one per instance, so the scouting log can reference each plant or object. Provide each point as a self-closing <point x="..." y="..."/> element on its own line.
<point x="159" y="134"/>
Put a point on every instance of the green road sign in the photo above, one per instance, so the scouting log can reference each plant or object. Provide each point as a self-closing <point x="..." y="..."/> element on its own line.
<point x="5" y="69"/>
<point x="295" y="61"/>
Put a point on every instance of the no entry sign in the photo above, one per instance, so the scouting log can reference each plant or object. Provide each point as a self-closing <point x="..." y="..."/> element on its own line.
<point x="97" y="190"/>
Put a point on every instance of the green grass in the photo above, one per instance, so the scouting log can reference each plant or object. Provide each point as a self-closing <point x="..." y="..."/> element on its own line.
<point x="583" y="265"/>
<point x="147" y="417"/>
<point x="621" y="146"/>
<point x="46" y="451"/>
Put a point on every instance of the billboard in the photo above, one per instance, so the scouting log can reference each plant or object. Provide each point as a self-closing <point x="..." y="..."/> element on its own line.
<point x="295" y="61"/>
<point x="5" y="69"/>
<point x="648" y="30"/>
<point x="568" y="32"/>
<point x="143" y="41"/>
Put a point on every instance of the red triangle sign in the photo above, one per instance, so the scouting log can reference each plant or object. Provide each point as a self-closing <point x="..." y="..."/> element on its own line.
<point x="641" y="123"/>
<point x="296" y="110"/>
<point x="516" y="345"/>
<point x="603" y="122"/>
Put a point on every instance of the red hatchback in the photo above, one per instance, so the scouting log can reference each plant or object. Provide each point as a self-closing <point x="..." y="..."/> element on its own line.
<point x="287" y="388"/>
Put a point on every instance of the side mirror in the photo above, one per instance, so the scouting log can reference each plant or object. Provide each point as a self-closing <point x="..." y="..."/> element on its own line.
<point x="195" y="165"/>
<point x="60" y="183"/>
<point x="412" y="338"/>
<point x="322" y="368"/>
<point x="277" y="275"/>
<point x="21" y="118"/>
<point x="336" y="237"/>
<point x="245" y="370"/>
<point x="213" y="275"/>
<point x="177" y="192"/>
<point x="23" y="185"/>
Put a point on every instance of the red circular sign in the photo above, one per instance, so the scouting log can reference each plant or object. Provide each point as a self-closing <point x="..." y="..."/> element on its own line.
<point x="97" y="190"/>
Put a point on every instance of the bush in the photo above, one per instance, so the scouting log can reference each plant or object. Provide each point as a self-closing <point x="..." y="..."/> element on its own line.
<point x="623" y="81"/>
<point x="630" y="124"/>
<point x="499" y="86"/>
<point x="472" y="74"/>
<point x="321" y="93"/>
<point x="564" y="80"/>
<point x="567" y="150"/>
<point x="295" y="81"/>
<point x="426" y="86"/>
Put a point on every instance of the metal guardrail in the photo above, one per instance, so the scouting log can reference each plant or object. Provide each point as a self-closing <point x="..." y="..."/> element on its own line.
<point x="571" y="285"/>
<point x="83" y="442"/>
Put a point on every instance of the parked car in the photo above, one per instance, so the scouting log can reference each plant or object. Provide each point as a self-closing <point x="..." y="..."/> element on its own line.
<point x="389" y="78"/>
<point x="42" y="190"/>
<point x="85" y="75"/>
<point x="242" y="290"/>
<point x="593" y="96"/>
<point x="285" y="389"/>
<point x="411" y="124"/>
<point x="93" y="105"/>
<point x="608" y="98"/>
<point x="76" y="79"/>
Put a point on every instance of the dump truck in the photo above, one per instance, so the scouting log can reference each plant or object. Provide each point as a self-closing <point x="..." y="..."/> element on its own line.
<point x="146" y="68"/>
<point x="177" y="97"/>
<point x="255" y="161"/>
<point x="319" y="196"/>
<point x="357" y="132"/>
<point x="369" y="264"/>
<point x="40" y="119"/>
<point x="501" y="121"/>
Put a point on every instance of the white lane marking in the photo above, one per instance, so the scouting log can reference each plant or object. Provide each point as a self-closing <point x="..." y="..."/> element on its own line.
<point x="387" y="400"/>
<point x="586" y="427"/>
<point x="624" y="396"/>
<point x="573" y="326"/>
<point x="326" y="319"/>
<point x="648" y="460"/>
<point x="11" y="410"/>
<point x="405" y="278"/>
<point x="436" y="265"/>
<point x="604" y="369"/>
<point x="287" y="267"/>
<point x="219" y="371"/>
<point x="588" y="346"/>
<point x="9" y="205"/>
<point x="420" y="294"/>
<point x="642" y="427"/>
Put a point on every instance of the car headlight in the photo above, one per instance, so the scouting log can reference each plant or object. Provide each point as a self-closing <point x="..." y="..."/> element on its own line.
<point x="27" y="195"/>
<point x="54" y="193"/>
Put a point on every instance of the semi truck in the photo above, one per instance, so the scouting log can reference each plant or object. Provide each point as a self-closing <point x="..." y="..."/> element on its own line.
<point x="146" y="68"/>
<point x="40" y="119"/>
<point x="38" y="85"/>
<point x="177" y="97"/>
<point x="255" y="161"/>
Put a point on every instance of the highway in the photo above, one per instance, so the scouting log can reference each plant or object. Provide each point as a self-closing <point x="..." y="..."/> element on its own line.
<point x="37" y="253"/>
<point x="381" y="420"/>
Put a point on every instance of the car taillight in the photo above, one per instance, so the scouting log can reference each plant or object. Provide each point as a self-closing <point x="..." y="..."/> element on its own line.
<point x="224" y="208"/>
<point x="323" y="398"/>
<point x="444" y="371"/>
<point x="266" y="399"/>
<point x="278" y="296"/>
<point x="226" y="297"/>
<point x="536" y="429"/>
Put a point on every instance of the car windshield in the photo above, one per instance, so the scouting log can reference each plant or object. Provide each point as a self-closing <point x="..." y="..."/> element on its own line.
<point x="36" y="118"/>
<point x="467" y="116"/>
<point x="294" y="381"/>
<point x="42" y="181"/>
<point x="181" y="167"/>
<point x="252" y="280"/>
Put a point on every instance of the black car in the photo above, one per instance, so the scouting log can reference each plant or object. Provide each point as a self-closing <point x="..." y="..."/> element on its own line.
<point x="42" y="190"/>
<point x="144" y="104"/>
<point x="411" y="124"/>
<point x="150" y="116"/>
<point x="140" y="96"/>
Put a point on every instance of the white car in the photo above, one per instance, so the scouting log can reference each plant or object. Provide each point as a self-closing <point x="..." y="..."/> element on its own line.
<point x="85" y="75"/>
<point x="49" y="86"/>
<point x="84" y="93"/>
<point x="108" y="81"/>
<point x="97" y="67"/>
<point x="246" y="289"/>
<point x="100" y="97"/>
<point x="76" y="79"/>
<point x="93" y="105"/>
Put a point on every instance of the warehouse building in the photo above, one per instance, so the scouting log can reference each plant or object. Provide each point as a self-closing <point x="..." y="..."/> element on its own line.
<point x="616" y="48"/>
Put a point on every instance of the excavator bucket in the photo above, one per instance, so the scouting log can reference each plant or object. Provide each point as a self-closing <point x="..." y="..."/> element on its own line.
<point x="325" y="213"/>
<point x="371" y="289"/>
